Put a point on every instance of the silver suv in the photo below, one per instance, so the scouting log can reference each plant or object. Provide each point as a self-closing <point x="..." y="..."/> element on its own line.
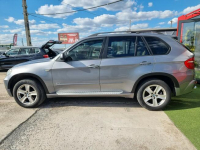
<point x="150" y="67"/>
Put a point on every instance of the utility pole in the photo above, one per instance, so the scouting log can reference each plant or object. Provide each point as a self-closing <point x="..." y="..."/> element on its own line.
<point x="26" y="23"/>
<point x="130" y="26"/>
<point x="22" y="42"/>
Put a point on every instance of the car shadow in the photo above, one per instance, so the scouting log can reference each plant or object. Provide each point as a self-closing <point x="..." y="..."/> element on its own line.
<point x="90" y="102"/>
<point x="3" y="70"/>
<point x="182" y="104"/>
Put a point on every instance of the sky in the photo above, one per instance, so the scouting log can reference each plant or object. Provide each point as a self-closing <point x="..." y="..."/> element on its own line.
<point x="116" y="17"/>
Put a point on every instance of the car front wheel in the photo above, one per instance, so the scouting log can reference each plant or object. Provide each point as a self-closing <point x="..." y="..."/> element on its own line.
<point x="28" y="93"/>
<point x="154" y="94"/>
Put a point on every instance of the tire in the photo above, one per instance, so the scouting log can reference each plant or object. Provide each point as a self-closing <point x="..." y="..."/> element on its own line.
<point x="154" y="94"/>
<point x="33" y="98"/>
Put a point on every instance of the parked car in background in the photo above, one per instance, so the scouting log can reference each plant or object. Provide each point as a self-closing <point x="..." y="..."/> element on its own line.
<point x="149" y="67"/>
<point x="20" y="54"/>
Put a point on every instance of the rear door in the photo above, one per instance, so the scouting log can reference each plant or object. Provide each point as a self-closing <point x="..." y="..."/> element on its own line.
<point x="124" y="61"/>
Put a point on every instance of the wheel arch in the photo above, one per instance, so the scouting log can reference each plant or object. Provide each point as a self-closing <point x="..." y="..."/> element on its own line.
<point x="169" y="79"/>
<point x="22" y="76"/>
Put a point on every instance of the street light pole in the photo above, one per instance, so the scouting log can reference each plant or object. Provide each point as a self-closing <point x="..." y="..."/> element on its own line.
<point x="26" y="23"/>
<point x="171" y="23"/>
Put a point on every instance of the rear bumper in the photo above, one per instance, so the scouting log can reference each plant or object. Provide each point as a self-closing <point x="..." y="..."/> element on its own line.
<point x="187" y="89"/>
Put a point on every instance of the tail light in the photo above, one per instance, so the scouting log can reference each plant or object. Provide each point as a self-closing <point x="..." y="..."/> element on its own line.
<point x="190" y="63"/>
<point x="46" y="56"/>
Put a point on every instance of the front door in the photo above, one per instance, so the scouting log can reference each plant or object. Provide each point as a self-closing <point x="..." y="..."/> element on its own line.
<point x="81" y="73"/>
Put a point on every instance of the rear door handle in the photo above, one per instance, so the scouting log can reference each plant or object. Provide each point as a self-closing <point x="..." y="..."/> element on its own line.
<point x="93" y="66"/>
<point x="145" y="63"/>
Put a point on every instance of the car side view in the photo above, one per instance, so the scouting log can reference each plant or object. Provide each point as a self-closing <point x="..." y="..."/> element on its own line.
<point x="147" y="66"/>
<point x="20" y="54"/>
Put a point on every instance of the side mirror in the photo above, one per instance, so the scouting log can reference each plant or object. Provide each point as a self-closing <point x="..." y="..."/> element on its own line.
<point x="64" y="57"/>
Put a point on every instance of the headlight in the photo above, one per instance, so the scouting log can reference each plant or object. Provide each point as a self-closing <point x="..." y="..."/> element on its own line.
<point x="9" y="72"/>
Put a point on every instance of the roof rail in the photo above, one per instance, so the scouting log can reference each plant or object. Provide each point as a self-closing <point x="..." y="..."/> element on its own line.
<point x="157" y="31"/>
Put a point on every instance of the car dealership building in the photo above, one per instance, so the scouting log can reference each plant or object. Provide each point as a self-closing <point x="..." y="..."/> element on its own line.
<point x="188" y="32"/>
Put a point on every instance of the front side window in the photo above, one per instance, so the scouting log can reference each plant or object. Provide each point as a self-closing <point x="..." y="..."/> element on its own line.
<point x="121" y="47"/>
<point x="158" y="47"/>
<point x="86" y="50"/>
<point x="12" y="52"/>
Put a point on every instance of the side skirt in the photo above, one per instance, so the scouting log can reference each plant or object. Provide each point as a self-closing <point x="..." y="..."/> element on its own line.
<point x="92" y="94"/>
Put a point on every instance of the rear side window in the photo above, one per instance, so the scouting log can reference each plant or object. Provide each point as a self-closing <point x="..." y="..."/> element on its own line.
<point x="158" y="47"/>
<point x="121" y="47"/>
<point x="141" y="48"/>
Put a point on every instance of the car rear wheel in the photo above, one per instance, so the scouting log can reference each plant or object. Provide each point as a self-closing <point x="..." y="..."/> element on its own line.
<point x="154" y="94"/>
<point x="29" y="93"/>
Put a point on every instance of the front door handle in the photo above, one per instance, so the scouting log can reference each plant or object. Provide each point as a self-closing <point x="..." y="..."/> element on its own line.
<point x="145" y="63"/>
<point x="93" y="66"/>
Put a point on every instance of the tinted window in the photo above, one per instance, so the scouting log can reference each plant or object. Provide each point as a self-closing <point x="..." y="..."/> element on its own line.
<point x="141" y="48"/>
<point x="24" y="51"/>
<point x="158" y="47"/>
<point x="121" y="47"/>
<point x="86" y="50"/>
<point x="12" y="52"/>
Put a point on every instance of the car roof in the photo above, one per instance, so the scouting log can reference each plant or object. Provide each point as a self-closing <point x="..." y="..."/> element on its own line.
<point x="25" y="47"/>
<point x="153" y="34"/>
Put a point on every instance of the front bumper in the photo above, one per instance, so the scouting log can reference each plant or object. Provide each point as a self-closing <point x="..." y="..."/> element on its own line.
<point x="187" y="89"/>
<point x="6" y="80"/>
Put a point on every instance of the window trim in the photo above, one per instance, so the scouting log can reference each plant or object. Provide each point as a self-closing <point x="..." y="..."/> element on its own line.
<point x="169" y="47"/>
<point x="86" y="40"/>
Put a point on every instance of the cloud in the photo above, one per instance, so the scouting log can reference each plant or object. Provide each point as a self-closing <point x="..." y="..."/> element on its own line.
<point x="6" y="38"/>
<point x="4" y="26"/>
<point x="39" y="32"/>
<point x="13" y="30"/>
<point x="190" y="9"/>
<point x="10" y="19"/>
<point x="174" y="20"/>
<point x="44" y="26"/>
<point x="133" y="27"/>
<point x="42" y="21"/>
<point x="145" y="15"/>
<point x="113" y="7"/>
<point x="104" y="20"/>
<point x="161" y="23"/>
<point x="77" y="28"/>
<point x="141" y="7"/>
<point x="19" y="21"/>
<point x="51" y="9"/>
<point x="150" y="4"/>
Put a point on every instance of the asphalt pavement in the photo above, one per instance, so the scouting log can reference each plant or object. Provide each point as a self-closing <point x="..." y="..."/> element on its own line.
<point x="86" y="123"/>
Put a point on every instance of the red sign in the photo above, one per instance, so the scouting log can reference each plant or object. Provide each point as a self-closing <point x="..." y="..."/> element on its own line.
<point x="68" y="38"/>
<point x="15" y="40"/>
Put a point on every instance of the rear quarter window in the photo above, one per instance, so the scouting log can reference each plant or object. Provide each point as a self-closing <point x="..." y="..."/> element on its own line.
<point x="157" y="46"/>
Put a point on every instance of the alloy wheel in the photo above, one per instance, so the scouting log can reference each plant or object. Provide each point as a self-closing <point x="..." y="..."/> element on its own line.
<point x="26" y="94"/>
<point x="154" y="95"/>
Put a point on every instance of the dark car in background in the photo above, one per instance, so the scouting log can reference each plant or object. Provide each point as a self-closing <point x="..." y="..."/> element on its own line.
<point x="20" y="54"/>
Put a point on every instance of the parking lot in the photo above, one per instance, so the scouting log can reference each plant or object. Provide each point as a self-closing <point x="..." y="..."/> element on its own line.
<point x="86" y="123"/>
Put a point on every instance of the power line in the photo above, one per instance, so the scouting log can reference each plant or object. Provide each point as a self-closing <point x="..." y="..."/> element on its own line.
<point x="44" y="19"/>
<point x="77" y="9"/>
<point x="81" y="9"/>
